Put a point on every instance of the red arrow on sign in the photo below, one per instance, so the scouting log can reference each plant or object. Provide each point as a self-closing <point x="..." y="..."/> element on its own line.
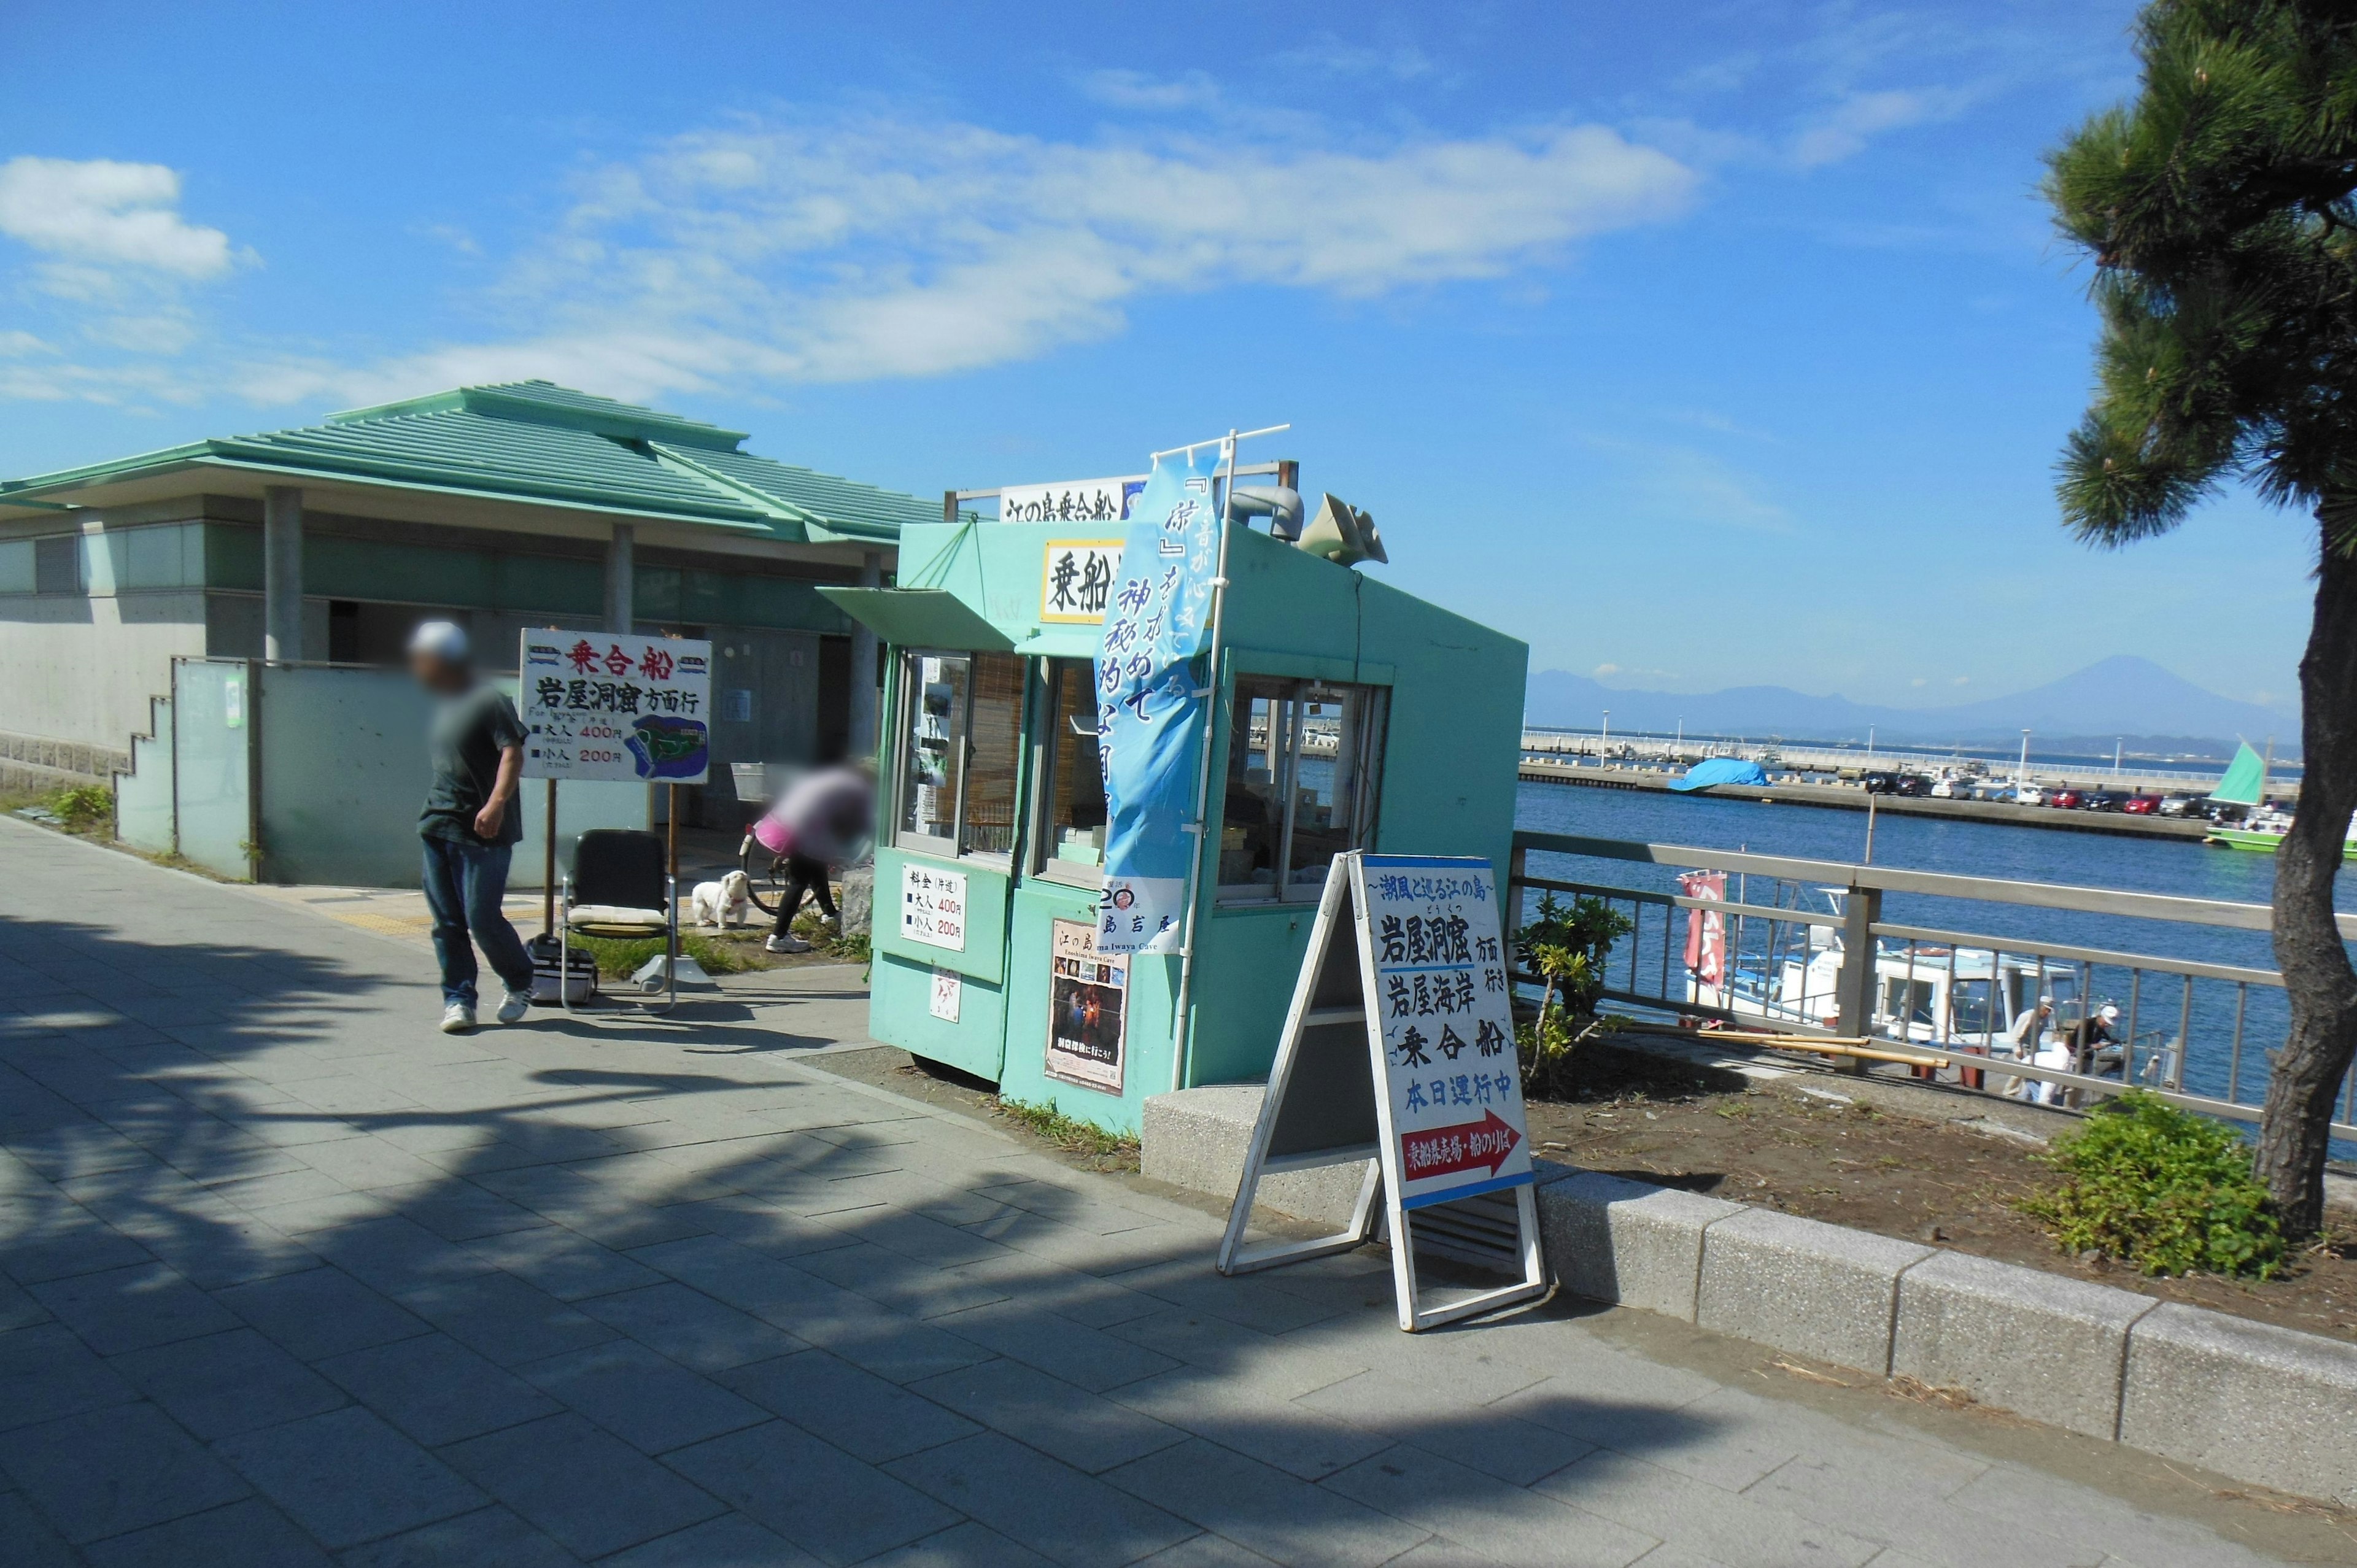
<point x="1469" y="1146"/>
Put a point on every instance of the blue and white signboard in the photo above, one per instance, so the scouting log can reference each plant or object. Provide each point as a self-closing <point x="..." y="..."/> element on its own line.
<point x="1152" y="705"/>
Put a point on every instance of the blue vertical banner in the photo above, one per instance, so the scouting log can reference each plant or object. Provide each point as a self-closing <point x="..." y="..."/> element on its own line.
<point x="1151" y="703"/>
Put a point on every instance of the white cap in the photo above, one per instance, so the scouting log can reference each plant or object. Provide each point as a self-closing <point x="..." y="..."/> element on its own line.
<point x="2046" y="1002"/>
<point x="442" y="640"/>
<point x="2109" y="1013"/>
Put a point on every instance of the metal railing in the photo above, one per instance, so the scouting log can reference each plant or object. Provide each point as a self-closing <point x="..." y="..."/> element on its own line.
<point x="2195" y="1029"/>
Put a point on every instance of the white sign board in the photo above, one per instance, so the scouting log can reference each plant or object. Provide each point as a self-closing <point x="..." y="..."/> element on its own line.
<point x="1398" y="1057"/>
<point x="1070" y="500"/>
<point x="1076" y="580"/>
<point x="949" y="991"/>
<point x="599" y="705"/>
<point x="1450" y="1074"/>
<point x="932" y="906"/>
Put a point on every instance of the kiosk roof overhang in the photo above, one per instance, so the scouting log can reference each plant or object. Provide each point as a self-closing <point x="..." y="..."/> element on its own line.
<point x="525" y="441"/>
<point x="920" y="617"/>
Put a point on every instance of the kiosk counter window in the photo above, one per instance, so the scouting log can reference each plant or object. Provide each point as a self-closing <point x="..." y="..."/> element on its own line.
<point x="1305" y="764"/>
<point x="962" y="720"/>
<point x="1072" y="821"/>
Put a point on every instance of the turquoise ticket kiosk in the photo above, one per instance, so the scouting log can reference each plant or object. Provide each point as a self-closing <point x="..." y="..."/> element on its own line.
<point x="1348" y="715"/>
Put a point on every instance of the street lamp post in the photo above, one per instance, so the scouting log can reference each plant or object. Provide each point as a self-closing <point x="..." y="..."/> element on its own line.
<point x="2021" y="773"/>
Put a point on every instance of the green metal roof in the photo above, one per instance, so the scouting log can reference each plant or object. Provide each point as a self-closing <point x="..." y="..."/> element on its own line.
<point x="537" y="441"/>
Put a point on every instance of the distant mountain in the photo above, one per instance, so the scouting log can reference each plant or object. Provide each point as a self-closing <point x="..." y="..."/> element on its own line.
<point x="2122" y="696"/>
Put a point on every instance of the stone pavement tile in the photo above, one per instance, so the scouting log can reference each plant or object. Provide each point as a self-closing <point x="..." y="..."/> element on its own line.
<point x="1456" y="1358"/>
<point x="46" y="1373"/>
<point x="258" y="1193"/>
<point x="1846" y="1497"/>
<point x="1078" y="1354"/>
<point x="1081" y="1296"/>
<point x="17" y="1310"/>
<point x="488" y="1538"/>
<point x="859" y="1413"/>
<point x="926" y="1241"/>
<point x="1067" y="1204"/>
<point x="754" y="1223"/>
<point x="590" y="1491"/>
<point x="1726" y="1438"/>
<point x="623" y="1225"/>
<point x="106" y="1471"/>
<point x="914" y="1289"/>
<point x="26" y="1539"/>
<point x="568" y="1265"/>
<point x="1580" y="1370"/>
<point x="1497" y="1518"/>
<point x="220" y="1251"/>
<point x="436" y="1390"/>
<point x="1277" y="1368"/>
<point x="1282" y="1518"/>
<point x="1208" y="1551"/>
<point x="750" y="1281"/>
<point x="967" y="1545"/>
<point x="505" y="1318"/>
<point x="1076" y="1248"/>
<point x="75" y="1148"/>
<point x="1085" y="1430"/>
<point x="731" y="1541"/>
<point x="1473" y="1435"/>
<point x="330" y="1210"/>
<point x="227" y="1383"/>
<point x="1233" y="1413"/>
<point x="251" y="1534"/>
<point x="1701" y="1518"/>
<point x="130" y="1309"/>
<point x="393" y="1253"/>
<point x="1252" y="1301"/>
<point x="813" y="1494"/>
<point x="1046" y="1505"/>
<point x="320" y="1312"/>
<point x="651" y="1403"/>
<point x="348" y="1477"/>
<point x="2020" y="1496"/>
<point x="689" y="1327"/>
<point x="68" y="1240"/>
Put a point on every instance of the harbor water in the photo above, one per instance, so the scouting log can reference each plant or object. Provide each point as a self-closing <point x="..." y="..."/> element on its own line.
<point x="2183" y="868"/>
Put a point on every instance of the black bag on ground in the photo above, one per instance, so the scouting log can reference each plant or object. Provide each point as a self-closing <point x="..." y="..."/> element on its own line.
<point x="581" y="983"/>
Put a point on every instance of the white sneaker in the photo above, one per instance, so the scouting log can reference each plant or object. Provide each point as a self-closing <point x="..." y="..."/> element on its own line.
<point x="458" y="1018"/>
<point x="515" y="1006"/>
<point x="787" y="943"/>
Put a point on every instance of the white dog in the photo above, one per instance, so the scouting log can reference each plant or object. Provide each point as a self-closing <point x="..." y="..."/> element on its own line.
<point x="721" y="903"/>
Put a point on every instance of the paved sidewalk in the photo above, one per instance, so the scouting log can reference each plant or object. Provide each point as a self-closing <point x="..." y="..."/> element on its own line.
<point x="290" y="1278"/>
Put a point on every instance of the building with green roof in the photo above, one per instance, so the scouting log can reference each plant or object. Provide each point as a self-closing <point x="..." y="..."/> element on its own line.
<point x="500" y="507"/>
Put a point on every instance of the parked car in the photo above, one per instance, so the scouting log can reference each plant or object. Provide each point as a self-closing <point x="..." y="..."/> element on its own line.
<point x="2178" y="806"/>
<point x="2142" y="805"/>
<point x="1914" y="784"/>
<point x="2103" y="801"/>
<point x="2025" y="795"/>
<point x="2067" y="799"/>
<point x="1880" y="783"/>
<point x="1949" y="788"/>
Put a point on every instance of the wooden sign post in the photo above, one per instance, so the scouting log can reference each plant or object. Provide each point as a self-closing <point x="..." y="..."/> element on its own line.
<point x="1398" y="1054"/>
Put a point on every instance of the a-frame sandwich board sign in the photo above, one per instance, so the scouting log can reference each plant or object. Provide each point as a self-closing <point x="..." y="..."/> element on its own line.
<point x="1398" y="1054"/>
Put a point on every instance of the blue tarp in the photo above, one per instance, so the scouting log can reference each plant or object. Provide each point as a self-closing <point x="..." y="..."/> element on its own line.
<point x="1719" y="770"/>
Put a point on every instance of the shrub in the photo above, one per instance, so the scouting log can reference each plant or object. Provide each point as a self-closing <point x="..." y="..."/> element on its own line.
<point x="84" y="807"/>
<point x="1567" y="945"/>
<point x="2165" y="1189"/>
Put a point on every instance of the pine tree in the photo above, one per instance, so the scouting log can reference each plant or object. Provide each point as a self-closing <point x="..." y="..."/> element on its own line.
<point x="2217" y="209"/>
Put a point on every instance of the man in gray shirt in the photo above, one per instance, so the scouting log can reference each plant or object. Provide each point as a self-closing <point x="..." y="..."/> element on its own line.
<point x="471" y="825"/>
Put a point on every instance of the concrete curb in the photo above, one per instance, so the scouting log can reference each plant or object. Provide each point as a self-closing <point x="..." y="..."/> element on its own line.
<point x="2263" y="1404"/>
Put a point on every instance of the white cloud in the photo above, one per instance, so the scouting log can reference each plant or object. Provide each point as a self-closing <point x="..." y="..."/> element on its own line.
<point x="1852" y="125"/>
<point x="100" y="213"/>
<point x="1601" y="670"/>
<point x="889" y="248"/>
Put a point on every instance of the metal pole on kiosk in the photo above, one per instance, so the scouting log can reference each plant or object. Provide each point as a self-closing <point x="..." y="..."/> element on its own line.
<point x="1180" y="1034"/>
<point x="548" y="862"/>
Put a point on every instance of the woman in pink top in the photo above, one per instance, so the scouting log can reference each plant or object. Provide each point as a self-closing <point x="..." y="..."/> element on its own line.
<point x="823" y="819"/>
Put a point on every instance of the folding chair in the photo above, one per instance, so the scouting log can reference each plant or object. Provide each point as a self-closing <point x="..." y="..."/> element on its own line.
<point x="619" y="887"/>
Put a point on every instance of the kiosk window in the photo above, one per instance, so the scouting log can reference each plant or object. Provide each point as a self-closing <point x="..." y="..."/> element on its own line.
<point x="1303" y="764"/>
<point x="963" y="726"/>
<point x="1073" y="831"/>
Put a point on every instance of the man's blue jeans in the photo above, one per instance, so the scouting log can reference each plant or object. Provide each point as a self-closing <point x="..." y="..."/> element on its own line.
<point x="464" y="885"/>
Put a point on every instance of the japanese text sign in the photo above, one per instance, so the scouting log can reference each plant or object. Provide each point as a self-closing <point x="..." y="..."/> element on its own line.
<point x="1438" y="962"/>
<point x="1151" y="703"/>
<point x="1076" y="580"/>
<point x="932" y="906"/>
<point x="597" y="704"/>
<point x="1070" y="501"/>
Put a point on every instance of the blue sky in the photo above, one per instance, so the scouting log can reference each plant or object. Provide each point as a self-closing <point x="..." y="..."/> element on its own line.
<point x="1697" y="345"/>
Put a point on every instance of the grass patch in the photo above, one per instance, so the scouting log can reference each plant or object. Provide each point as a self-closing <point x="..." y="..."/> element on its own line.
<point x="86" y="809"/>
<point x="851" y="949"/>
<point x="1052" y="1126"/>
<point x="2162" y="1188"/>
<point x="620" y="958"/>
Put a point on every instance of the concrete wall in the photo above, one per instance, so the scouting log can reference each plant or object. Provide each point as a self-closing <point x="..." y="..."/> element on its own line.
<point x="82" y="669"/>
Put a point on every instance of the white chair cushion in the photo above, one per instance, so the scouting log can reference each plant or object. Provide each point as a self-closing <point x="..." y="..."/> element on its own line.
<point x="615" y="915"/>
